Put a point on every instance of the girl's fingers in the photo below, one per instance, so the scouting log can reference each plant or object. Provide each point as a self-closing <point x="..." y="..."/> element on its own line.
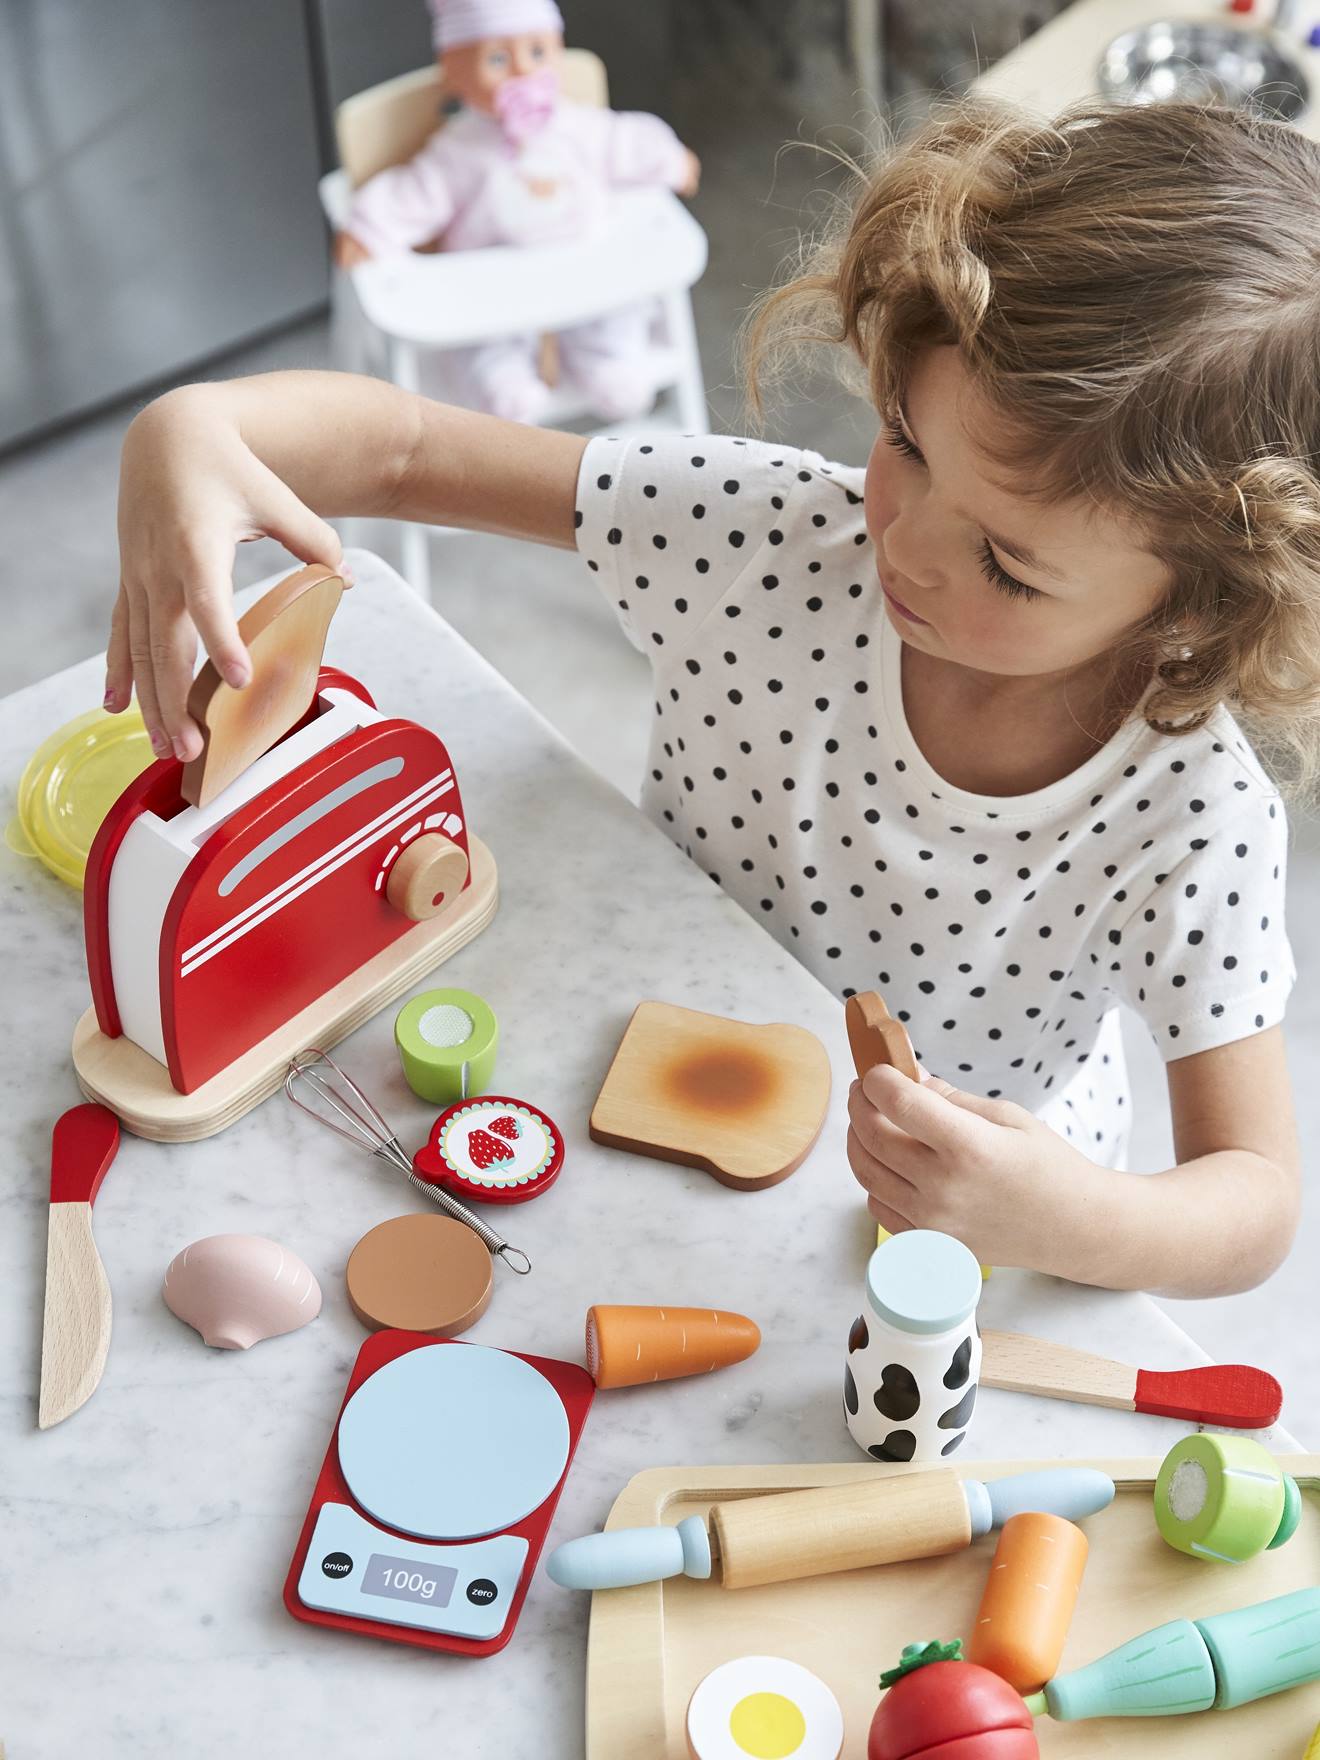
<point x="173" y="648"/>
<point x="139" y="647"/>
<point x="889" y="1220"/>
<point x="921" y="1110"/>
<point x="881" y="1181"/>
<point x="884" y="1140"/>
<point x="118" y="659"/>
<point x="210" y="601"/>
<point x="300" y="530"/>
<point x="1002" y="1112"/>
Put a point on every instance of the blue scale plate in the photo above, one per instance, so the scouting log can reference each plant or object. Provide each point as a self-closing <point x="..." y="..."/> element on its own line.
<point x="453" y="1443"/>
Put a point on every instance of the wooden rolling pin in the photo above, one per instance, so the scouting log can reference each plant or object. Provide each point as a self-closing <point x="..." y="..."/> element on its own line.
<point x="790" y="1534"/>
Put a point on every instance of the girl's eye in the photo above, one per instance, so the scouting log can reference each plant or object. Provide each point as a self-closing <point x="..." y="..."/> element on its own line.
<point x="538" y="51"/>
<point x="497" y="58"/>
<point x="999" y="577"/>
<point x="899" y="441"/>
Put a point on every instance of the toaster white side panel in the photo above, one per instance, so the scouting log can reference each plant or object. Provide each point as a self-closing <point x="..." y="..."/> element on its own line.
<point x="147" y="868"/>
<point x="155" y="852"/>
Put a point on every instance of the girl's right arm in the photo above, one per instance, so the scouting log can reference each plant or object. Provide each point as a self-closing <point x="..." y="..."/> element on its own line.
<point x="208" y="466"/>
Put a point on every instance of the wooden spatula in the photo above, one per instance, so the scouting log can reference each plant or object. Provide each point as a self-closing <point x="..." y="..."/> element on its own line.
<point x="75" y="1334"/>
<point x="285" y="633"/>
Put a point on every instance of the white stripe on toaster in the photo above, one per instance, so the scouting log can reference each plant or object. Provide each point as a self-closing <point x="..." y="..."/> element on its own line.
<point x="320" y="869"/>
<point x="383" y="821"/>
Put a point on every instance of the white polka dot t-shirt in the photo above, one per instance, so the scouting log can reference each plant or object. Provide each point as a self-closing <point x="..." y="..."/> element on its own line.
<point x="1004" y="931"/>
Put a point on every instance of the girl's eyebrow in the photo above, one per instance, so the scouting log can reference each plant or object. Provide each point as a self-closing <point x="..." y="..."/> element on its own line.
<point x="1019" y="552"/>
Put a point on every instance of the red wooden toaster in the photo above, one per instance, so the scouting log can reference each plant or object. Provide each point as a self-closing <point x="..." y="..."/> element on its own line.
<point x="243" y="907"/>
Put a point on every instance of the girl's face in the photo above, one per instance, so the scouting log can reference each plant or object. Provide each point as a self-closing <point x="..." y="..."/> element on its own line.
<point x="474" y="72"/>
<point x="977" y="575"/>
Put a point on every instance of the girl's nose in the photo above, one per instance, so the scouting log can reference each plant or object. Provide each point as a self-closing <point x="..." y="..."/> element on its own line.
<point x="909" y="548"/>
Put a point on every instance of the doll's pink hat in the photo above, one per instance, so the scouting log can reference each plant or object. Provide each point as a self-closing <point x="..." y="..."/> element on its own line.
<point x="454" y="22"/>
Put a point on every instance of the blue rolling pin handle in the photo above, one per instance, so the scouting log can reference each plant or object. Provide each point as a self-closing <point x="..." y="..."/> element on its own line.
<point x="1070" y="1492"/>
<point x="627" y="1556"/>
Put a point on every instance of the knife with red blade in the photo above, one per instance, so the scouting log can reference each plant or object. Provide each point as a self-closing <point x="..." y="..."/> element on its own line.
<point x="1232" y="1396"/>
<point x="75" y="1332"/>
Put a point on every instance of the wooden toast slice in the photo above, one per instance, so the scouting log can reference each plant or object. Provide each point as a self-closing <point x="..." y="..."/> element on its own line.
<point x="285" y="633"/>
<point x="745" y="1103"/>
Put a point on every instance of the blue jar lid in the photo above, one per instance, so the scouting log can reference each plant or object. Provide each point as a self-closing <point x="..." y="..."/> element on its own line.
<point x="923" y="1281"/>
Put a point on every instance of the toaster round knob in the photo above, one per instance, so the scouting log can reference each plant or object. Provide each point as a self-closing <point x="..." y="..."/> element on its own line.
<point x="428" y="876"/>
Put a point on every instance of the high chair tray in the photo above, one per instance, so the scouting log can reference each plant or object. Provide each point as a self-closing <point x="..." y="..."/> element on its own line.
<point x="650" y="1646"/>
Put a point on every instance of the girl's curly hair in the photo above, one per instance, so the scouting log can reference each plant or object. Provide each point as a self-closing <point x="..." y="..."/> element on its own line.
<point x="1137" y="292"/>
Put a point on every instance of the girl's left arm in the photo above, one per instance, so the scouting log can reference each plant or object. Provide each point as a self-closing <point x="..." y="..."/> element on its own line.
<point x="1224" y="1217"/>
<point x="992" y="1174"/>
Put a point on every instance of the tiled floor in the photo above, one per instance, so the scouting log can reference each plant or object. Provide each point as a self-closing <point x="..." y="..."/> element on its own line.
<point x="533" y="614"/>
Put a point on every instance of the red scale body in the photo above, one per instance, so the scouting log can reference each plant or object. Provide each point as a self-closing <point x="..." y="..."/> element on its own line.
<point x="244" y="948"/>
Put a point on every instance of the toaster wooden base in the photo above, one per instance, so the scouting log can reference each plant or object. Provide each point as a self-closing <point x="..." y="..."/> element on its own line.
<point x="137" y="1088"/>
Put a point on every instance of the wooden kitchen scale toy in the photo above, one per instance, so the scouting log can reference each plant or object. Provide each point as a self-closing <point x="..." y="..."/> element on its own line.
<point x="308" y="868"/>
<point x="436" y="1493"/>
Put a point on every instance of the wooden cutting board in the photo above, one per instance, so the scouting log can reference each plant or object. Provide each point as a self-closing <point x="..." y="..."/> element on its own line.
<point x="650" y="1646"/>
<point x="745" y="1103"/>
<point x="284" y="633"/>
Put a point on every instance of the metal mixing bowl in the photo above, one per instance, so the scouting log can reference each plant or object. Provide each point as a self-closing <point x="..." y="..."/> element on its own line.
<point x="1205" y="64"/>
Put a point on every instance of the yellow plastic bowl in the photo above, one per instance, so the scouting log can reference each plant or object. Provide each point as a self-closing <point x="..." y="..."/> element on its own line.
<point x="71" y="782"/>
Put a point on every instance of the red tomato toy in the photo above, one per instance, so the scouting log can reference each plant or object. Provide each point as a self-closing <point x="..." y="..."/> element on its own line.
<point x="939" y="1706"/>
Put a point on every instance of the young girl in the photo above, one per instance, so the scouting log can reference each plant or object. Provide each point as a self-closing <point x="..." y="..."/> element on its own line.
<point x="952" y="726"/>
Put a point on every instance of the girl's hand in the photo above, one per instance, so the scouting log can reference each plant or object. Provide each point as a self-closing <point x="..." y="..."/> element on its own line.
<point x="931" y="1156"/>
<point x="190" y="491"/>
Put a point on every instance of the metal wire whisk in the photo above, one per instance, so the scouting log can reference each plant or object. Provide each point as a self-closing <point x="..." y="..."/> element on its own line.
<point x="363" y="1124"/>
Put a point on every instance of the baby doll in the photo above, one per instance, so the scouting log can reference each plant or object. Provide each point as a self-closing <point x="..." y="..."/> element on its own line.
<point x="520" y="165"/>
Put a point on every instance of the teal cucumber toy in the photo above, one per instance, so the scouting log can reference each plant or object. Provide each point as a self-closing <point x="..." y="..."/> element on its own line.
<point x="1210" y="1664"/>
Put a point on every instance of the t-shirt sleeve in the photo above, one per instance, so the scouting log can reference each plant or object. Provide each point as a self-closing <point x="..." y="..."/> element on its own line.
<point x="1204" y="957"/>
<point x="671" y="524"/>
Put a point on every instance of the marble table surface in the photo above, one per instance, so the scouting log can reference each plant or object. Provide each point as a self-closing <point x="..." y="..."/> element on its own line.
<point x="146" y="1539"/>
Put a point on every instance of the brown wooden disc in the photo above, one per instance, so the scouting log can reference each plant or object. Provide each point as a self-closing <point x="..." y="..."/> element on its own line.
<point x="423" y="1273"/>
<point x="427" y="877"/>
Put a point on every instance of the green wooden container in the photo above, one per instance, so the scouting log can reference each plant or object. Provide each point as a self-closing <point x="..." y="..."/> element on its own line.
<point x="447" y="1041"/>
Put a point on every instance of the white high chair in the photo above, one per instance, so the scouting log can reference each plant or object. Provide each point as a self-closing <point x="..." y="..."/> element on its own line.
<point x="389" y="312"/>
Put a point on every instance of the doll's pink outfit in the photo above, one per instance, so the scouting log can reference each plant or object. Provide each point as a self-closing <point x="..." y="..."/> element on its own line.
<point x="542" y="173"/>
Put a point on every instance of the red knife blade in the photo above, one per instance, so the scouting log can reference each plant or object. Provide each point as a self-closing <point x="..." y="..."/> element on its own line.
<point x="1231" y="1395"/>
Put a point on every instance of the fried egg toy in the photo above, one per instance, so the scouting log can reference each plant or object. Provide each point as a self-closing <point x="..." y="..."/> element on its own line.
<point x="763" y="1708"/>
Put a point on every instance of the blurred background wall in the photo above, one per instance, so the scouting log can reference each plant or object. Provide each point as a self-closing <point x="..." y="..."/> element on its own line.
<point x="158" y="158"/>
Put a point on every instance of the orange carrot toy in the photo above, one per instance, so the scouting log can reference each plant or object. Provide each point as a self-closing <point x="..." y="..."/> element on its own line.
<point x="1030" y="1594"/>
<point x="629" y="1346"/>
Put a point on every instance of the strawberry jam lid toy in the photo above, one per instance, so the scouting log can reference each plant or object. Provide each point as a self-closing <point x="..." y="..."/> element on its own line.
<point x="938" y="1705"/>
<point x="494" y="1149"/>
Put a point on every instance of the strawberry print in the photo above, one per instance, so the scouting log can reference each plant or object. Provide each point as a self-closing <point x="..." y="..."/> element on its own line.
<point x="483" y="1148"/>
<point x="506" y="1127"/>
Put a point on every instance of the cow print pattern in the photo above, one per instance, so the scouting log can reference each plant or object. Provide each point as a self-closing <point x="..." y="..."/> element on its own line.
<point x="959" y="1416"/>
<point x="899" y="1445"/>
<point x="956" y="1373"/>
<point x="849" y="1392"/>
<point x="899" y="1398"/>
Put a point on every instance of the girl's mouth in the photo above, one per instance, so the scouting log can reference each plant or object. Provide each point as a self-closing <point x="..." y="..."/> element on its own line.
<point x="902" y="609"/>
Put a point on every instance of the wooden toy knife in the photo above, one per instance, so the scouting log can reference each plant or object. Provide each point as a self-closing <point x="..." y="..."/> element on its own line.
<point x="1233" y="1396"/>
<point x="75" y="1332"/>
